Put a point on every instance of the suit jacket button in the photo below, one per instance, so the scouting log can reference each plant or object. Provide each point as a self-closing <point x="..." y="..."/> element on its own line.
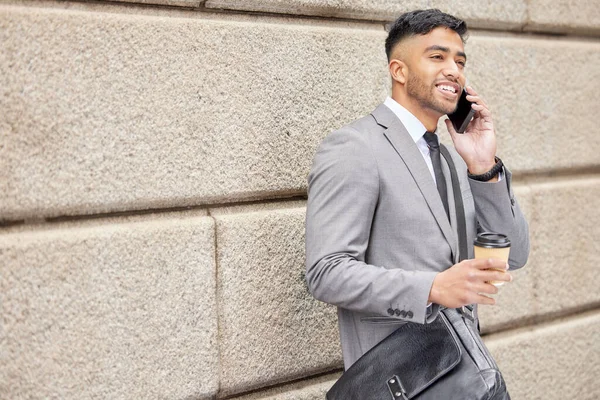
<point x="397" y="312"/>
<point x="391" y="311"/>
<point x="410" y="314"/>
<point x="403" y="313"/>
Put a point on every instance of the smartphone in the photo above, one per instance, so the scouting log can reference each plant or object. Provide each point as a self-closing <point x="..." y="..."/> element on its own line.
<point x="464" y="113"/>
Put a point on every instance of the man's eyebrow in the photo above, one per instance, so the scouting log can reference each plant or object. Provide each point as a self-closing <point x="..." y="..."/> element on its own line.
<point x="445" y="50"/>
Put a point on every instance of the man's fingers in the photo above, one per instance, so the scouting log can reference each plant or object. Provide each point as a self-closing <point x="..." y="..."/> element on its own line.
<point x="481" y="299"/>
<point x="471" y="91"/>
<point x="499" y="276"/>
<point x="482" y="112"/>
<point x="489" y="263"/>
<point x="486" y="288"/>
<point x="478" y="103"/>
<point x="477" y="100"/>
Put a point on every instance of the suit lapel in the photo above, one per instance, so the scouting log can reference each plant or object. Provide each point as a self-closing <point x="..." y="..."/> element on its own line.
<point x="404" y="145"/>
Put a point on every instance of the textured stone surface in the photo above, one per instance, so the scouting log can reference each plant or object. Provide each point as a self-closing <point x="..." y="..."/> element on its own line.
<point x="95" y="122"/>
<point x="170" y="111"/>
<point x="309" y="389"/>
<point x="488" y="14"/>
<point x="385" y="10"/>
<point x="562" y="274"/>
<point x="271" y="328"/>
<point x="118" y="311"/>
<point x="567" y="228"/>
<point x="579" y="16"/>
<point x="515" y="301"/>
<point x="179" y="3"/>
<point x="559" y="360"/>
<point x="506" y="14"/>
<point x="112" y="107"/>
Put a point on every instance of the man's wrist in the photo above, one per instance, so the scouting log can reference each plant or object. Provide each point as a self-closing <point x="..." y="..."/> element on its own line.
<point x="481" y="168"/>
<point x="491" y="175"/>
<point x="433" y="292"/>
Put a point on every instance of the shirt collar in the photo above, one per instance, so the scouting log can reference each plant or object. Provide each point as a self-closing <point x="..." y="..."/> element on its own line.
<point x="414" y="127"/>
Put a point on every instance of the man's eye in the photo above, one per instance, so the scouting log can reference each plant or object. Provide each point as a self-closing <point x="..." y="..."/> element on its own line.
<point x="437" y="56"/>
<point x="461" y="63"/>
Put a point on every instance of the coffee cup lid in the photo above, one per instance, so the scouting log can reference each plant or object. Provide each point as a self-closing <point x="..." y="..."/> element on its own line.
<point x="492" y="240"/>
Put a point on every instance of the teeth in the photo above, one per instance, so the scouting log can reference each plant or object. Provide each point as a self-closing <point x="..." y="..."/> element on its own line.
<point x="447" y="88"/>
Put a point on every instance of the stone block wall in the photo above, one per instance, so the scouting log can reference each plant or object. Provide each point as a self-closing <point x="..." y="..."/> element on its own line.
<point x="153" y="163"/>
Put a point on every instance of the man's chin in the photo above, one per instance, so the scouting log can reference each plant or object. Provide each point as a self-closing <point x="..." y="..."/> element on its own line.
<point x="448" y="108"/>
<point x="443" y="110"/>
<point x="439" y="107"/>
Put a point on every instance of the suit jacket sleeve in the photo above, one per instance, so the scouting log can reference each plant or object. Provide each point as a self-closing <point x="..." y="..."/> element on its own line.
<point x="498" y="211"/>
<point x="343" y="192"/>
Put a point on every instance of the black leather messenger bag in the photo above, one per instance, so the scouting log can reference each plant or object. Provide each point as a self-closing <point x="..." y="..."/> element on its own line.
<point x="443" y="360"/>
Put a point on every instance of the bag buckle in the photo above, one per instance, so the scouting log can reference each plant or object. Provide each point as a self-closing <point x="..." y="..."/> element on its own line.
<point x="396" y="388"/>
<point x="468" y="313"/>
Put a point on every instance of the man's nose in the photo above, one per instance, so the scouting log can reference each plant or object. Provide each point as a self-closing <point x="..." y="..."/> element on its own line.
<point x="452" y="71"/>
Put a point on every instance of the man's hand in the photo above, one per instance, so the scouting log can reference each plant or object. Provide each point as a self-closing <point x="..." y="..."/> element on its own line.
<point x="467" y="283"/>
<point x="477" y="145"/>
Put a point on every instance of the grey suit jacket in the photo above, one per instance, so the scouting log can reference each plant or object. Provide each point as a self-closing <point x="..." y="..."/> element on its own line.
<point x="377" y="233"/>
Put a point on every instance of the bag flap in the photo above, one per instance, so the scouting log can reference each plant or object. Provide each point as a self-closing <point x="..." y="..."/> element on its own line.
<point x="414" y="357"/>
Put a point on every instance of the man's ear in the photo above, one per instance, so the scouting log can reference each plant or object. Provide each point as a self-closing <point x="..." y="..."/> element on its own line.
<point x="398" y="71"/>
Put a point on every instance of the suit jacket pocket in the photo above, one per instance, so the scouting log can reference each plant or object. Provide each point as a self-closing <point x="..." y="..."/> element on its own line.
<point x="379" y="320"/>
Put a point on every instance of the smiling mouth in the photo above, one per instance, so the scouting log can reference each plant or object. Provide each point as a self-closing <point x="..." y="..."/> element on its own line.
<point x="448" y="90"/>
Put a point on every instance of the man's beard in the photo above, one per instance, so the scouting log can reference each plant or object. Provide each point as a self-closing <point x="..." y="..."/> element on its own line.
<point x="418" y="89"/>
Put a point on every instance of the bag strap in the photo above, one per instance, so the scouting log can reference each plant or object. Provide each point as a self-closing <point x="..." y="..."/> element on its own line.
<point x="469" y="311"/>
<point x="463" y="249"/>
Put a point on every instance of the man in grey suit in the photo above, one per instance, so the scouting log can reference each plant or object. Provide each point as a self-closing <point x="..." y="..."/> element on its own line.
<point x="381" y="244"/>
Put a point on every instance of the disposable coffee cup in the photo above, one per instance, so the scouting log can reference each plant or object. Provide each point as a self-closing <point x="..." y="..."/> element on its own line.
<point x="492" y="245"/>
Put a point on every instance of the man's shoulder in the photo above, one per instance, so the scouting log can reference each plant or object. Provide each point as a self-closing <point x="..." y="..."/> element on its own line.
<point x="360" y="129"/>
<point x="366" y="124"/>
<point x="348" y="150"/>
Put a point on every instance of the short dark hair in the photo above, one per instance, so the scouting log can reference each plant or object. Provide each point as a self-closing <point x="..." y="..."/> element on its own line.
<point x="421" y="22"/>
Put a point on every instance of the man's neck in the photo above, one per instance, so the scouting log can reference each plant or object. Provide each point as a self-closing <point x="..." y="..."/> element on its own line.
<point x="428" y="118"/>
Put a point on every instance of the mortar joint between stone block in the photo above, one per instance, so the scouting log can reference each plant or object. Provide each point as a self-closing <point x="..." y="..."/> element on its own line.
<point x="305" y="379"/>
<point x="545" y="319"/>
<point x="217" y="297"/>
